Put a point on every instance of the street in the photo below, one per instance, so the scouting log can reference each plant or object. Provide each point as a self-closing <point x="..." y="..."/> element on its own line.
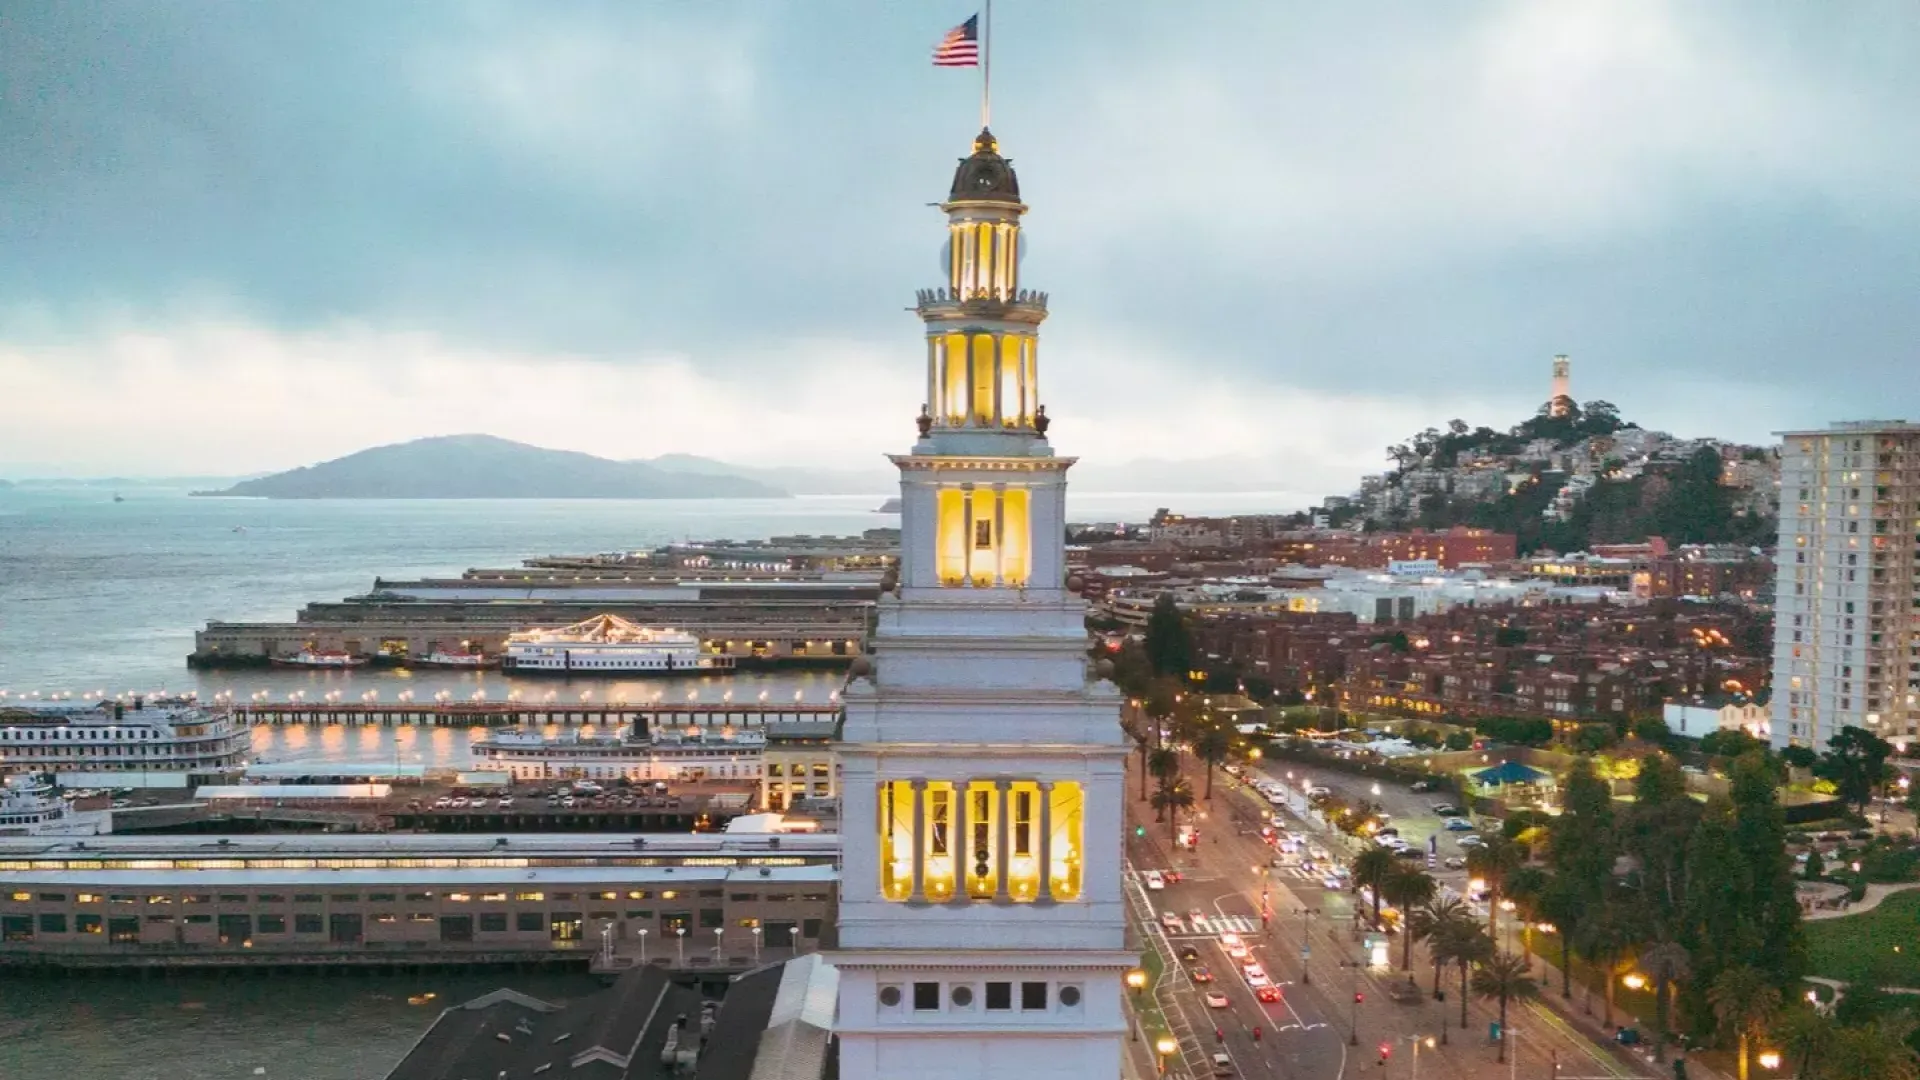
<point x="1312" y="947"/>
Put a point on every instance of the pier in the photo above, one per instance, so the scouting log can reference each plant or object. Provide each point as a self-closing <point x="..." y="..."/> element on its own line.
<point x="648" y="715"/>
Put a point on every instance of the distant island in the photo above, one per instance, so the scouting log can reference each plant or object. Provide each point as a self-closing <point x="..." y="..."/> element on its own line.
<point x="485" y="467"/>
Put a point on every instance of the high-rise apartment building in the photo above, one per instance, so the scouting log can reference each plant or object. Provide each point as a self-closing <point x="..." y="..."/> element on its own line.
<point x="1847" y="619"/>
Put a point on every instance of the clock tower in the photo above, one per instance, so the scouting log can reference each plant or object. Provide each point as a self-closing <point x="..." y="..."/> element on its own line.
<point x="982" y="928"/>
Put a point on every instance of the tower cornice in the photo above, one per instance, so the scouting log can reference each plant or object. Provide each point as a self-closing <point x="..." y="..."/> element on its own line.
<point x="979" y="463"/>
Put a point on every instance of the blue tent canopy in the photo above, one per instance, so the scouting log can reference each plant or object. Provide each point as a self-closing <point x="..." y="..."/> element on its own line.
<point x="1511" y="772"/>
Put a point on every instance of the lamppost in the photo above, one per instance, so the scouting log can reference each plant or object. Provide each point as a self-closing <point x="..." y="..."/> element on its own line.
<point x="1306" y="941"/>
<point x="643" y="948"/>
<point x="1419" y="1041"/>
<point x="680" y="943"/>
<point x="756" y="946"/>
<point x="1136" y="982"/>
<point x="1353" y="1013"/>
<point x="719" y="951"/>
<point x="606" y="944"/>
<point x="1163" y="1046"/>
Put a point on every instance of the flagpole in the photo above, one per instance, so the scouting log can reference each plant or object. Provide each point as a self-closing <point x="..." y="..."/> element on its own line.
<point x="986" y="67"/>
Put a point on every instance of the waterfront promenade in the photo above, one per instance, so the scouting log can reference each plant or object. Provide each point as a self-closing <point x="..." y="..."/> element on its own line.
<point x="649" y="715"/>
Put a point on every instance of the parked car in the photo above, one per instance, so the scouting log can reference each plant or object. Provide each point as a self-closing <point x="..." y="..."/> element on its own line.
<point x="1457" y="824"/>
<point x="1469" y="841"/>
<point x="1447" y="809"/>
<point x="1455" y="862"/>
<point x="1422" y="785"/>
<point x="1411" y="852"/>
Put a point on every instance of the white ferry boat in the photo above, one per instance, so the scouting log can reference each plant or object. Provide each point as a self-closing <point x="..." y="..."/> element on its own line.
<point x="610" y="645"/>
<point x="28" y="807"/>
<point x="170" y="743"/>
<point x="672" y="754"/>
<point x="307" y="658"/>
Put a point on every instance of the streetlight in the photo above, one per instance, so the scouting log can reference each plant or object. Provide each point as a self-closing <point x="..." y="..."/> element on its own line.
<point x="1306" y="945"/>
<point x="1419" y="1041"/>
<point x="756" y="945"/>
<point x="643" y="948"/>
<point x="1164" y="1045"/>
<point x="1769" y="1059"/>
<point x="718" y="950"/>
<point x="1136" y="981"/>
<point x="606" y="944"/>
<point x="680" y="943"/>
<point x="1636" y="981"/>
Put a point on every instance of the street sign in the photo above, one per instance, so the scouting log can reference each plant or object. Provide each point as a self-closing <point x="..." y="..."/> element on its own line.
<point x="1306" y="951"/>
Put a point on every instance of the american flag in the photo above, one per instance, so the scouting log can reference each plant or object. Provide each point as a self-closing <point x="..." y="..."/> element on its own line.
<point x="961" y="46"/>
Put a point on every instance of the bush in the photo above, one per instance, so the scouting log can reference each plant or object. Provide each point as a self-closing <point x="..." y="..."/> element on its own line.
<point x="1520" y="730"/>
<point x="1459" y="740"/>
<point x="1593" y="738"/>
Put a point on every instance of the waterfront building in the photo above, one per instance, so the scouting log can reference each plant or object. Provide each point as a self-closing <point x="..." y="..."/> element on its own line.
<point x="982" y="928"/>
<point x="1846" y="649"/>
<point x="349" y="899"/>
<point x="802" y="763"/>
<point x="168" y="743"/>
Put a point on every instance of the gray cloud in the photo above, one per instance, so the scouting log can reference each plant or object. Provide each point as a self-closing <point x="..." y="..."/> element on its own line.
<point x="1362" y="204"/>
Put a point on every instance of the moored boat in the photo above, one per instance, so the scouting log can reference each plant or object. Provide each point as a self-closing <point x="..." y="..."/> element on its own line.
<point x="608" y="644"/>
<point x="455" y="660"/>
<point x="307" y="658"/>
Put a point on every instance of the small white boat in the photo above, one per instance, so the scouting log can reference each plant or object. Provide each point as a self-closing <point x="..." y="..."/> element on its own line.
<point x="456" y="660"/>
<point x="308" y="658"/>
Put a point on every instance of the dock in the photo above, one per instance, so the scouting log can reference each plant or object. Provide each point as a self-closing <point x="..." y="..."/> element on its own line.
<point x="648" y="716"/>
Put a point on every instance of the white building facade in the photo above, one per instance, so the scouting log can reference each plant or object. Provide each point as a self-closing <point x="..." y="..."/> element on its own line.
<point x="982" y="928"/>
<point x="1846" y="647"/>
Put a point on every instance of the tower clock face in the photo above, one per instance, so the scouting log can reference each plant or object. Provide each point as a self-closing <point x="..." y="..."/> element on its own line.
<point x="985" y="181"/>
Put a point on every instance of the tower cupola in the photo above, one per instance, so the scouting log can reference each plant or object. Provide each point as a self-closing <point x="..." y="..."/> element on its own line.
<point x="983" y="373"/>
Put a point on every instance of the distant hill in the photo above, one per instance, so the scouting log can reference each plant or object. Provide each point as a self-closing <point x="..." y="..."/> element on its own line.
<point x="797" y="479"/>
<point x="485" y="467"/>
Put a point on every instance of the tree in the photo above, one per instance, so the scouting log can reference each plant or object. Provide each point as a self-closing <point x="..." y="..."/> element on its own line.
<point x="1526" y="885"/>
<point x="1464" y="944"/>
<point x="1744" y="1002"/>
<point x="1876" y="1051"/>
<point x="1656" y="832"/>
<point x="1503" y="976"/>
<point x="1174" y="796"/>
<point x="1668" y="963"/>
<point x="1211" y="747"/>
<point x="1581" y="849"/>
<point x="1406" y="888"/>
<point x="1856" y="763"/>
<point x="1169" y="644"/>
<point x="1805" y="1033"/>
<point x="1371" y="868"/>
<point x="1432" y="922"/>
<point x="1606" y="936"/>
<point x="1164" y="764"/>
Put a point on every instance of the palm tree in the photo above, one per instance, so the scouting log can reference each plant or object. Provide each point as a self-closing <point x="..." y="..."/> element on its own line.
<point x="1140" y="731"/>
<point x="1525" y="885"/>
<point x="1503" y="976"/>
<point x="1491" y="862"/>
<point x="1174" y="796"/>
<point x="1371" y="869"/>
<point x="1431" y="922"/>
<point x="1406" y="888"/>
<point x="1211" y="746"/>
<point x="1744" y="1003"/>
<point x="1466" y="945"/>
<point x="1606" y="936"/>
<point x="1164" y="764"/>
<point x="1668" y="963"/>
<point x="1805" y="1034"/>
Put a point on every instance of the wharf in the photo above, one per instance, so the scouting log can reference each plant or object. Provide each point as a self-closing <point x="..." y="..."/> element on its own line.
<point x="646" y="715"/>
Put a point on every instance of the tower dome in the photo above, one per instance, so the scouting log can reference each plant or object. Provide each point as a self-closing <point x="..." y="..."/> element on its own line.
<point x="985" y="176"/>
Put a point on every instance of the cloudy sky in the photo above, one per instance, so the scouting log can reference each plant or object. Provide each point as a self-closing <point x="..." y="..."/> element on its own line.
<point x="245" y="236"/>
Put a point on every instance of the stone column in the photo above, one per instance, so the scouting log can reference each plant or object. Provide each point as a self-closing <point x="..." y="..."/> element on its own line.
<point x="1046" y="842"/>
<point x="936" y="378"/>
<point x="999" y="534"/>
<point x="1002" y="856"/>
<point x="999" y="380"/>
<point x="966" y="533"/>
<point x="919" y="893"/>
<point x="961" y="844"/>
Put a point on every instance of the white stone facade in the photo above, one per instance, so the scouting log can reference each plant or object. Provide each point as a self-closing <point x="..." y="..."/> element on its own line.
<point x="982" y="928"/>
